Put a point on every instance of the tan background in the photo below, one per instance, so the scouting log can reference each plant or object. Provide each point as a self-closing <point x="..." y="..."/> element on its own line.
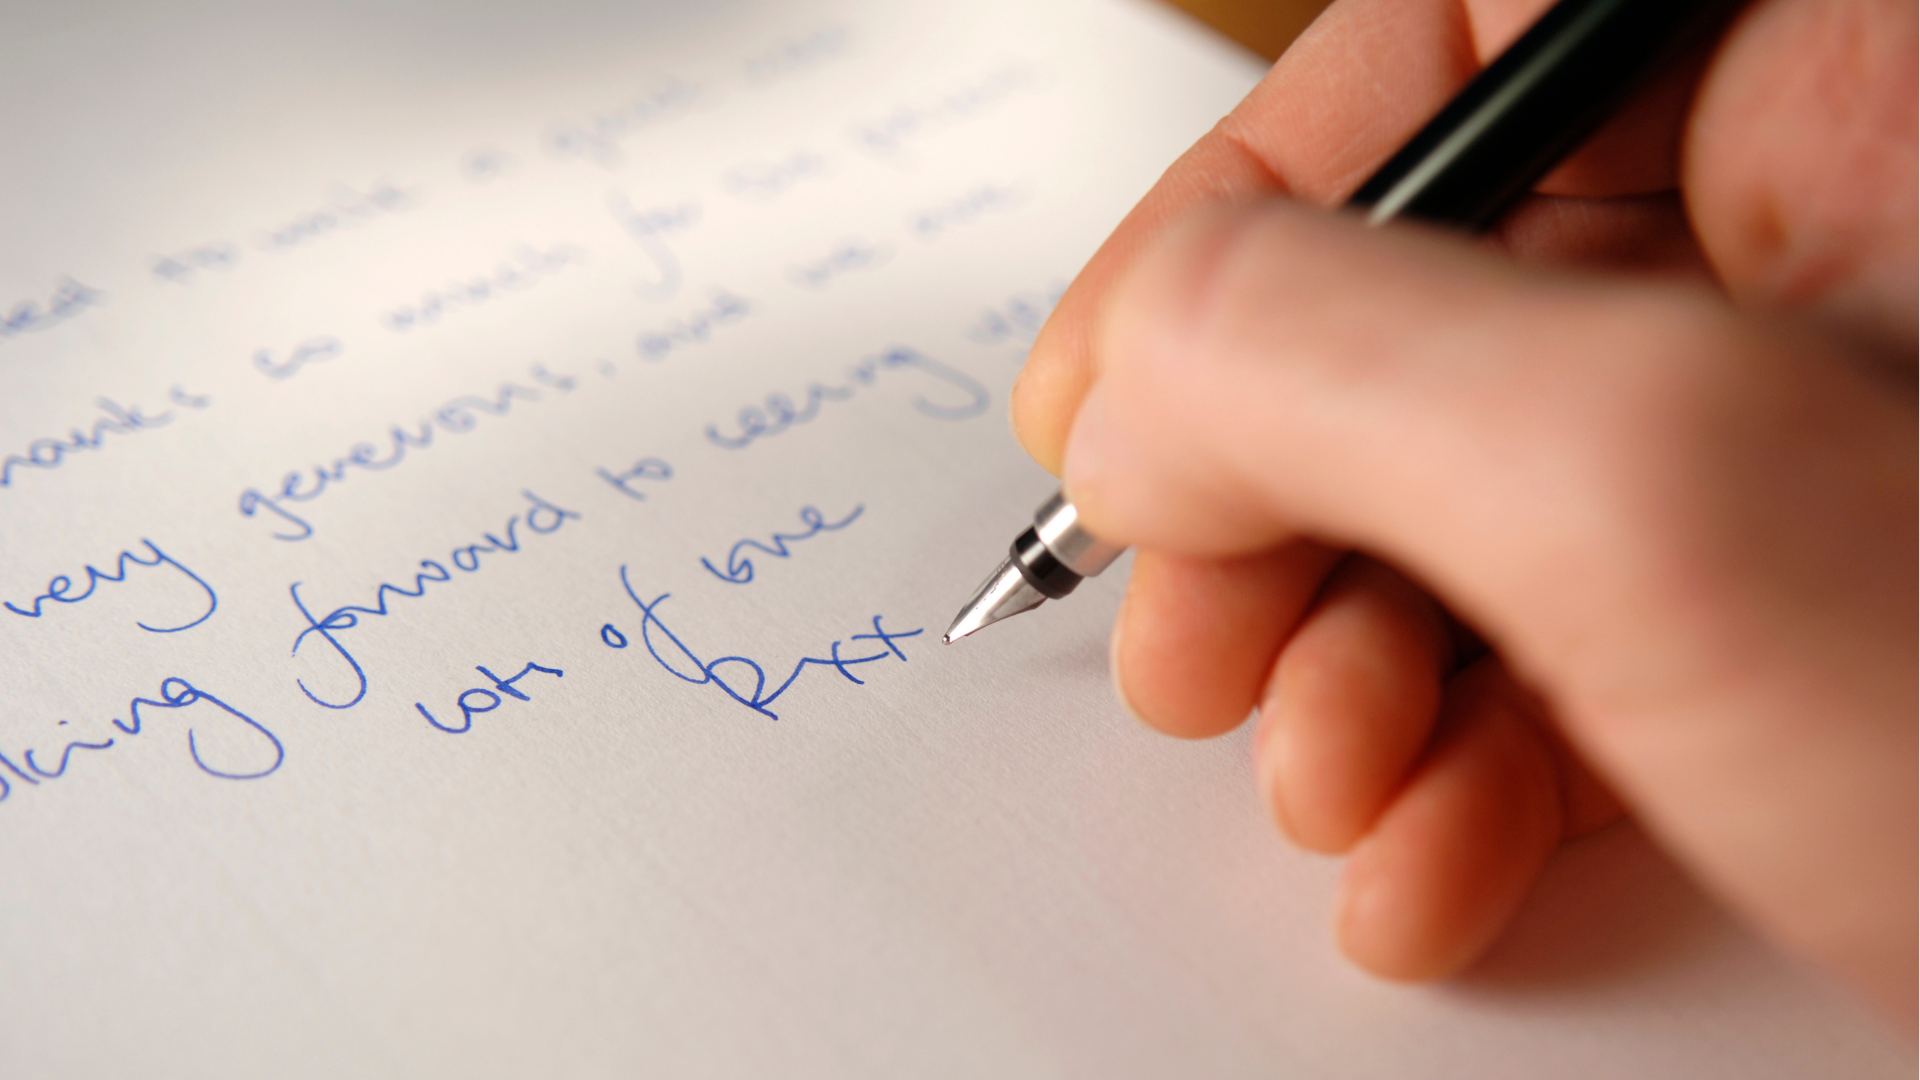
<point x="1265" y="26"/>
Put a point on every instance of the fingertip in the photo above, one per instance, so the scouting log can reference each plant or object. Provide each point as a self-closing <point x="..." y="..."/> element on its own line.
<point x="1450" y="861"/>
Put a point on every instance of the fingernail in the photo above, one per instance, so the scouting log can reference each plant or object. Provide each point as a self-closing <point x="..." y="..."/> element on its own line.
<point x="1113" y="666"/>
<point x="1091" y="450"/>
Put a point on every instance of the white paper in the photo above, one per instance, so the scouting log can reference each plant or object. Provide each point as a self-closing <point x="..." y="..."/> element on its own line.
<point x="497" y="304"/>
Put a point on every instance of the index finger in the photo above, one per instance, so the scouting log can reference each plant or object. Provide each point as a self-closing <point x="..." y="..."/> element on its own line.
<point x="1350" y="90"/>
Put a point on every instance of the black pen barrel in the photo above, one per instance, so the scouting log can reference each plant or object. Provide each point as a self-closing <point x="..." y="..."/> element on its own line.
<point x="1534" y="105"/>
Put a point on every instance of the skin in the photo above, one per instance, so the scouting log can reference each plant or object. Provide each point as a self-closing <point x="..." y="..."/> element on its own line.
<point x="1610" y="512"/>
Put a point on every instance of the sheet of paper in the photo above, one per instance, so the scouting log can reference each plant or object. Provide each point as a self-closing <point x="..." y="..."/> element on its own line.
<point x="480" y="488"/>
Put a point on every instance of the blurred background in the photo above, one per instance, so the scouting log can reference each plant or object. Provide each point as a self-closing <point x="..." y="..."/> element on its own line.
<point x="1266" y="27"/>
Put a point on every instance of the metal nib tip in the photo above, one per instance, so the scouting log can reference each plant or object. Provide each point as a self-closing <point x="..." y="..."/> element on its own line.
<point x="1005" y="593"/>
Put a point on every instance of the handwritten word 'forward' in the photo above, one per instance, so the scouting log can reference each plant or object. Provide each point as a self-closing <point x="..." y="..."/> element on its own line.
<point x="130" y="420"/>
<point x="779" y="411"/>
<point x="542" y="518"/>
<point x="456" y="417"/>
<point x="175" y="693"/>
<point x="740" y="559"/>
<point x="484" y="700"/>
<point x="702" y="673"/>
<point x="68" y="301"/>
<point x="60" y="589"/>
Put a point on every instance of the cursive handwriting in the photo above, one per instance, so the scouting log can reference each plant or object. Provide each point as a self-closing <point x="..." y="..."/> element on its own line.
<point x="740" y="562"/>
<point x="649" y="228"/>
<point x="60" y="588"/>
<point x="764" y="181"/>
<point x="458" y="416"/>
<point x="345" y="209"/>
<point x="846" y="257"/>
<point x="779" y="412"/>
<point x="484" y="700"/>
<point x="542" y="518"/>
<point x="311" y="351"/>
<point x="1016" y="320"/>
<point x="129" y="420"/>
<point x="528" y="267"/>
<point x="69" y="300"/>
<point x="175" y="693"/>
<point x="598" y="138"/>
<point x="647" y="468"/>
<point x="688" y="667"/>
<point x="183" y="266"/>
<point x="969" y="206"/>
<point x="695" y="328"/>
<point x="891" y="133"/>
<point x="796" y="54"/>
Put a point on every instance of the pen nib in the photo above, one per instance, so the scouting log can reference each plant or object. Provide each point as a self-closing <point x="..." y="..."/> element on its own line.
<point x="1005" y="593"/>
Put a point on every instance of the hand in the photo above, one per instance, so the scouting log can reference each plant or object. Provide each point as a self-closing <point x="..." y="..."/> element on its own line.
<point x="1654" y="443"/>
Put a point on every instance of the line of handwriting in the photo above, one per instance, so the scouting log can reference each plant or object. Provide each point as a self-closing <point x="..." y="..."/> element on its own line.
<point x="311" y="351"/>
<point x="797" y="54"/>
<point x="650" y="228"/>
<point x="541" y="518"/>
<point x="1017" y="319"/>
<point x="647" y="468"/>
<point x="599" y="138"/>
<point x="484" y="700"/>
<point x="60" y="589"/>
<point x="890" y="133"/>
<point x="51" y="453"/>
<point x="70" y="299"/>
<point x="779" y="412"/>
<point x="694" y="328"/>
<point x="249" y="763"/>
<point x="740" y="557"/>
<point x="975" y="203"/>
<point x="527" y="268"/>
<point x="685" y="665"/>
<point x="846" y="257"/>
<point x="765" y="180"/>
<point x="346" y="208"/>
<point x="457" y="417"/>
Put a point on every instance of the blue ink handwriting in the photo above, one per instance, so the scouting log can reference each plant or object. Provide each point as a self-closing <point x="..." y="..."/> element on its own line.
<point x="542" y="518"/>
<point x="598" y="138"/>
<point x="486" y="164"/>
<point x="345" y="210"/>
<point x="175" y="693"/>
<point x="484" y="700"/>
<point x="779" y="411"/>
<point x="768" y="180"/>
<point x="527" y="268"/>
<point x="797" y="54"/>
<point x="129" y="420"/>
<point x="846" y="257"/>
<point x="458" y="416"/>
<point x="311" y="351"/>
<point x="740" y="562"/>
<point x="60" y="589"/>
<point x="649" y="228"/>
<point x="647" y="468"/>
<point x="690" y="668"/>
<point x="182" y="266"/>
<point x="890" y="134"/>
<point x="68" y="301"/>
<point x="1017" y="320"/>
<point x="725" y="309"/>
<point x="975" y="203"/>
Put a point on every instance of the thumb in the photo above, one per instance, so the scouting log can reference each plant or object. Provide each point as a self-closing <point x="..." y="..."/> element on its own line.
<point x="1691" y="530"/>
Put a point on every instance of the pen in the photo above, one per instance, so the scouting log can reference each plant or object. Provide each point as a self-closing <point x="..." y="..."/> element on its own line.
<point x="1512" y="123"/>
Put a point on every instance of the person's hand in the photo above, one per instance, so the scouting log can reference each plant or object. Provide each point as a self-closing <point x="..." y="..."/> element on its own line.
<point x="1655" y="449"/>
